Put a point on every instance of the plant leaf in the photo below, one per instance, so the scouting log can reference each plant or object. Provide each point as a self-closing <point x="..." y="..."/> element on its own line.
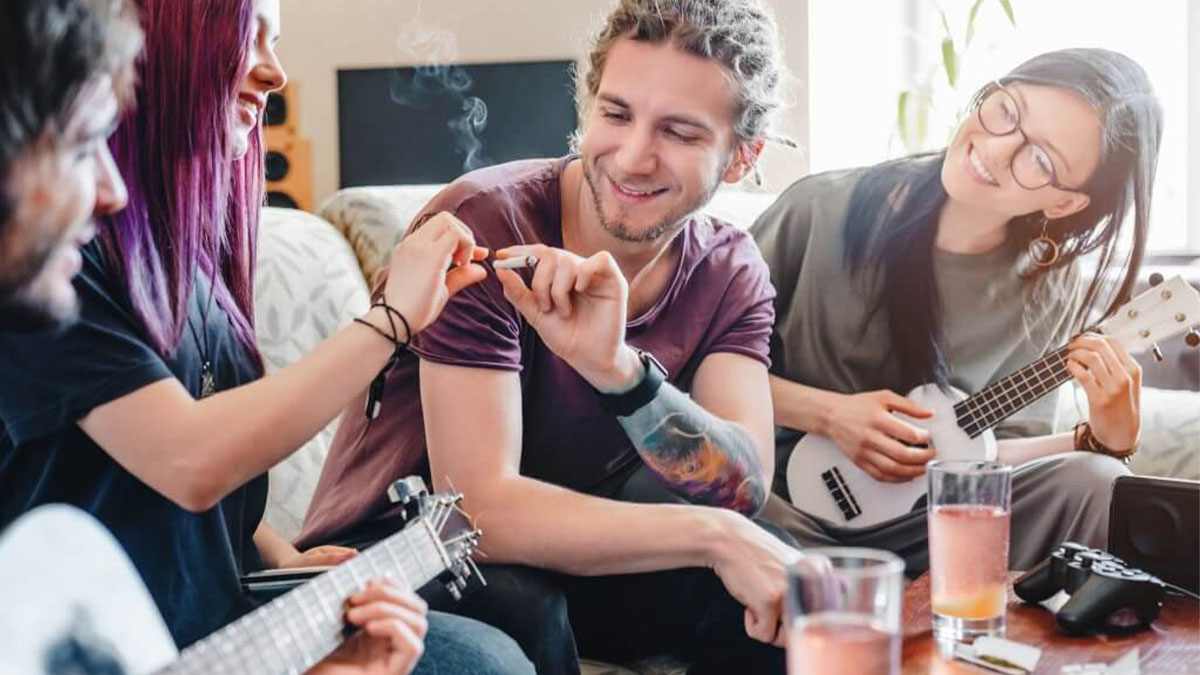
<point x="950" y="61"/>
<point x="1008" y="10"/>
<point x="971" y="21"/>
<point x="902" y="117"/>
<point x="945" y="22"/>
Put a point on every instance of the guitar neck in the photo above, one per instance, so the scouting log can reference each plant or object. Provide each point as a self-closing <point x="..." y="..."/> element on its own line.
<point x="296" y="630"/>
<point x="1005" y="397"/>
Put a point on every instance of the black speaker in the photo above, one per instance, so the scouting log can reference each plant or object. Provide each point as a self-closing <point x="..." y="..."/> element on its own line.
<point x="276" y="111"/>
<point x="288" y="162"/>
<point x="1154" y="524"/>
<point x="281" y="200"/>
<point x="276" y="165"/>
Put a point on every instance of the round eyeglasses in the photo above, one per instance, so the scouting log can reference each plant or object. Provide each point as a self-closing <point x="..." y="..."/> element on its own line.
<point x="1031" y="166"/>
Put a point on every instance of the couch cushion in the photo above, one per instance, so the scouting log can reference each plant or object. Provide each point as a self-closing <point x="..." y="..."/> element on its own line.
<point x="373" y="218"/>
<point x="306" y="288"/>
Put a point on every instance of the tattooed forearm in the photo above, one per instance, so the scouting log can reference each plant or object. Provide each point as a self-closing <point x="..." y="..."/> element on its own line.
<point x="699" y="456"/>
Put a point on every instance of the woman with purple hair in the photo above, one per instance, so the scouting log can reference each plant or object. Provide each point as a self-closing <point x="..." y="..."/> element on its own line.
<point x="152" y="411"/>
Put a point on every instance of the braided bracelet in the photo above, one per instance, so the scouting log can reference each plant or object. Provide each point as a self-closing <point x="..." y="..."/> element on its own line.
<point x="1086" y="440"/>
<point x="375" y="391"/>
<point x="392" y="314"/>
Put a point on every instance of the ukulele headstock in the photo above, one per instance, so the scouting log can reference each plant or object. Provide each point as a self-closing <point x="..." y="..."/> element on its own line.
<point x="1158" y="314"/>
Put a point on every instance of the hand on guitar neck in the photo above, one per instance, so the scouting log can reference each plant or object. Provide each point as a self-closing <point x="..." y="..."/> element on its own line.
<point x="392" y="637"/>
<point x="1112" y="381"/>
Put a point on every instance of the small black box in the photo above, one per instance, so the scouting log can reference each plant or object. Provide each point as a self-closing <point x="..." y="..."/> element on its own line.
<point x="1154" y="524"/>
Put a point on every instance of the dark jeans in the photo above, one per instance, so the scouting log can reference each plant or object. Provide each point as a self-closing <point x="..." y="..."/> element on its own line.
<point x="686" y="613"/>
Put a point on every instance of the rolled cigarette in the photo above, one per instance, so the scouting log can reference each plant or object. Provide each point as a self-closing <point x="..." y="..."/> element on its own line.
<point x="518" y="263"/>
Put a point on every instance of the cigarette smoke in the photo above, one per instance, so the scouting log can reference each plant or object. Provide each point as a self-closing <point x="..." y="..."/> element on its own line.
<point x="432" y="52"/>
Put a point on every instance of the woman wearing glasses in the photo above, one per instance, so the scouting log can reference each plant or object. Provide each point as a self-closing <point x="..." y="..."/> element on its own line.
<point x="959" y="268"/>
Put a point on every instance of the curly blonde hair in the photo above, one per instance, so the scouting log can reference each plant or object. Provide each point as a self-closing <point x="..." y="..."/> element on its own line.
<point x="739" y="34"/>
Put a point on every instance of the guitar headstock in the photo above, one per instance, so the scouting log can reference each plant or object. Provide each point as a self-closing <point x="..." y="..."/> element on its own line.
<point x="1160" y="313"/>
<point x="459" y="539"/>
<point x="455" y="534"/>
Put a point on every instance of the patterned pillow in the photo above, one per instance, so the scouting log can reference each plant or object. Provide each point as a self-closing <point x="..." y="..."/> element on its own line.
<point x="307" y="287"/>
<point x="372" y="219"/>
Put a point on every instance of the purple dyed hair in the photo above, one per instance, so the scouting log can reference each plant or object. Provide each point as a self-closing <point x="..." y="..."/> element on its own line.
<point x="190" y="207"/>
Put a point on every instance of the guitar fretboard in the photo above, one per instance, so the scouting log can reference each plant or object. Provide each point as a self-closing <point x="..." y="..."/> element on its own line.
<point x="1005" y="397"/>
<point x="298" y="629"/>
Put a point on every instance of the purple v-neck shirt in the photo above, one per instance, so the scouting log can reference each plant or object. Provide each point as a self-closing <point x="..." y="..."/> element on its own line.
<point x="719" y="299"/>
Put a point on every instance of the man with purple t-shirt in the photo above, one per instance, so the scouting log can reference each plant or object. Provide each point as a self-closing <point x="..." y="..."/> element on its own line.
<point x="607" y="414"/>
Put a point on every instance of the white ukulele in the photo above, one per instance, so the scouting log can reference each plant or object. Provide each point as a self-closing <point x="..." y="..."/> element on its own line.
<point x="825" y="483"/>
<point x="71" y="602"/>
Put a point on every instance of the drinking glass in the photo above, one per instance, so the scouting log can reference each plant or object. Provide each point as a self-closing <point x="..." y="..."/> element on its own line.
<point x="844" y="617"/>
<point x="969" y="514"/>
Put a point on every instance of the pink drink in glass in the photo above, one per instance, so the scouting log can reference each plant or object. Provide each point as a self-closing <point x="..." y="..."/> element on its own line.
<point x="842" y="643"/>
<point x="968" y="561"/>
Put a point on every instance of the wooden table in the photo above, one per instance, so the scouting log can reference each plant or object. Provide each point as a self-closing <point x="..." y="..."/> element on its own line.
<point x="1170" y="647"/>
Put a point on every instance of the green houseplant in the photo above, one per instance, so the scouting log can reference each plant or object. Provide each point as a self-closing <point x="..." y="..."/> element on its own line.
<point x="917" y="107"/>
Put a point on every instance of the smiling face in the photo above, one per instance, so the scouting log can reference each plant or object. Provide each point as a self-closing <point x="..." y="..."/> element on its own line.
<point x="658" y="139"/>
<point x="264" y="75"/>
<point x="1064" y="140"/>
<point x="59" y="185"/>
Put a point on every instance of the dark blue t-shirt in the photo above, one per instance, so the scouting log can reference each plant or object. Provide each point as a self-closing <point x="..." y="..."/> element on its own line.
<point x="190" y="562"/>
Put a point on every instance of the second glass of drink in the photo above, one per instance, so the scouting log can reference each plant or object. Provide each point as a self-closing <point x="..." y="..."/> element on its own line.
<point x="969" y="514"/>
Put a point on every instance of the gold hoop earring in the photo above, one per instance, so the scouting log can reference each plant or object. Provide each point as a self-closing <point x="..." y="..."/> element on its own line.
<point x="1043" y="250"/>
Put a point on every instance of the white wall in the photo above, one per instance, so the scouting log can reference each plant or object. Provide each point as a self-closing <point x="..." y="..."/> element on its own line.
<point x="320" y="36"/>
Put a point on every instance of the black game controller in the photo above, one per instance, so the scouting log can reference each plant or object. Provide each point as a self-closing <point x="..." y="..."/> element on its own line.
<point x="1105" y="593"/>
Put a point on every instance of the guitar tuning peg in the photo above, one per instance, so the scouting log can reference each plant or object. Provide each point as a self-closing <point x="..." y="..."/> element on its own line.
<point x="1156" y="353"/>
<point x="1192" y="338"/>
<point x="1156" y="279"/>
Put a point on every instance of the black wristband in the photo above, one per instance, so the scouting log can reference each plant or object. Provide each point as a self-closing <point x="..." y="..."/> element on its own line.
<point x="375" y="391"/>
<point x="392" y="314"/>
<point x="629" y="402"/>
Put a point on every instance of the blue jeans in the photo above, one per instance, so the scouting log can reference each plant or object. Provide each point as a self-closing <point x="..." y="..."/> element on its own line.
<point x="456" y="645"/>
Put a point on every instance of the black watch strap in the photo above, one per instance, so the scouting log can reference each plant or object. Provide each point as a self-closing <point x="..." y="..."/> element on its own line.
<point x="627" y="403"/>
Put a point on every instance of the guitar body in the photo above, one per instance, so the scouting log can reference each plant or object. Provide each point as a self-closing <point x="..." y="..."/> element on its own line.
<point x="72" y="602"/>
<point x="824" y="483"/>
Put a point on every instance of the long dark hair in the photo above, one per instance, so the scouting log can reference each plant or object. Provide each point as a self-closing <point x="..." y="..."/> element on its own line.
<point x="892" y="218"/>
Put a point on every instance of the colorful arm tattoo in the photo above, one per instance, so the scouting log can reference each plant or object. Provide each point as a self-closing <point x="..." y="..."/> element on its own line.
<point x="697" y="455"/>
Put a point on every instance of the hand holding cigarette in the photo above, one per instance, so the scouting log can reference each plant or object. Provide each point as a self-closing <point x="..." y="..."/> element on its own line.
<point x="577" y="306"/>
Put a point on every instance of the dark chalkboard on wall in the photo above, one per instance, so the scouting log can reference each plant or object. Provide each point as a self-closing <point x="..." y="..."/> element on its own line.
<point x="406" y="126"/>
